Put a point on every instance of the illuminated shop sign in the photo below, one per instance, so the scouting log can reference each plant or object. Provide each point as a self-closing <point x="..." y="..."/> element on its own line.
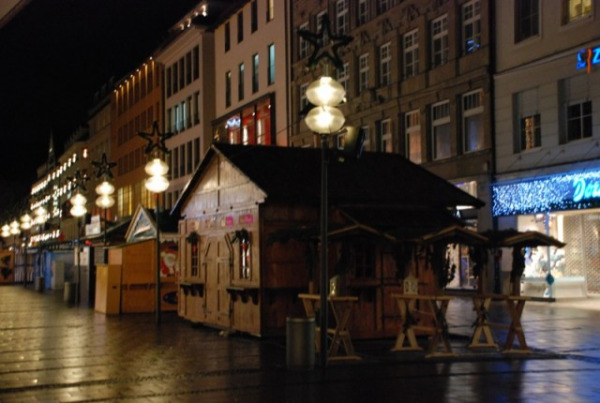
<point x="586" y="58"/>
<point x="570" y="191"/>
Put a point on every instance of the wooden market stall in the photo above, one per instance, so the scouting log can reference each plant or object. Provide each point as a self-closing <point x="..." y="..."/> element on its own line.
<point x="249" y="235"/>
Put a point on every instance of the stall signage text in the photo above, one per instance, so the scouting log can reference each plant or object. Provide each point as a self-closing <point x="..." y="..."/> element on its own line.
<point x="585" y="190"/>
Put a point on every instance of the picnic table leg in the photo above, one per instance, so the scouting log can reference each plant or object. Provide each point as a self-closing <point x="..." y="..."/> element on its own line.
<point x="481" y="305"/>
<point x="515" y="309"/>
<point x="406" y="330"/>
<point x="440" y="332"/>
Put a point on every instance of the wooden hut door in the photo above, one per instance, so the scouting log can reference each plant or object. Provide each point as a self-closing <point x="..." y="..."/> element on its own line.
<point x="217" y="280"/>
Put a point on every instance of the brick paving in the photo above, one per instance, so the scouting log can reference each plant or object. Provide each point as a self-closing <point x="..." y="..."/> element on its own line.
<point x="52" y="352"/>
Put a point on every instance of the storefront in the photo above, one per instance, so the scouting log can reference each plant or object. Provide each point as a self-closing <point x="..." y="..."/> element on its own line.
<point x="565" y="206"/>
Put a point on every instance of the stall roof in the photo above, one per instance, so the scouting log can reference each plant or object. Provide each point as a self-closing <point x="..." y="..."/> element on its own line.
<point x="294" y="174"/>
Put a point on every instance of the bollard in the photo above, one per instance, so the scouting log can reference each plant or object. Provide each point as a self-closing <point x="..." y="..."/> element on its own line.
<point x="300" y="343"/>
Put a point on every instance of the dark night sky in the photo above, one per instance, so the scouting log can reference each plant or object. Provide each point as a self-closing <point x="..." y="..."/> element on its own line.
<point x="54" y="55"/>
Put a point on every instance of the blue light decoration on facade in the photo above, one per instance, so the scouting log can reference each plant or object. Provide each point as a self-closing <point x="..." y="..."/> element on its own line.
<point x="569" y="191"/>
<point x="586" y="58"/>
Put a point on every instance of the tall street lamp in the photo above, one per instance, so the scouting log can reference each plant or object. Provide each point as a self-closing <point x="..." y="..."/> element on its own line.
<point x="157" y="183"/>
<point x="78" y="209"/>
<point x="324" y="119"/>
<point x="105" y="189"/>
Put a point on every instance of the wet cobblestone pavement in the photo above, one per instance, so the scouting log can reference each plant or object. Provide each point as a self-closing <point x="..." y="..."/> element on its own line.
<point x="52" y="352"/>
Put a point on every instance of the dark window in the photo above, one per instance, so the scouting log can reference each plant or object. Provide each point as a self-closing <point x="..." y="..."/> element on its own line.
<point x="196" y="62"/>
<point x="227" y="37"/>
<point x="527" y="19"/>
<point x="240" y="24"/>
<point x="254" y="16"/>
<point x="255" y="73"/>
<point x="228" y="89"/>
<point x="241" y="81"/>
<point x="181" y="73"/>
<point x="579" y="121"/>
<point x="168" y="80"/>
<point x="188" y="68"/>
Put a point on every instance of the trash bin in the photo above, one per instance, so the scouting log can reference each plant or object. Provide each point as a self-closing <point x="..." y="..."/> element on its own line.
<point x="69" y="292"/>
<point x="300" y="343"/>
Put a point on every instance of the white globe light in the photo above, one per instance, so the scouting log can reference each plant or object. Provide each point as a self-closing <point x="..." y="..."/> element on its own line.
<point x="325" y="92"/>
<point x="105" y="188"/>
<point x="105" y="201"/>
<point x="156" y="167"/>
<point x="78" y="200"/>
<point x="325" y="119"/>
<point x="157" y="184"/>
<point x="78" y="210"/>
<point x="5" y="230"/>
<point x="25" y="221"/>
<point x="14" y="228"/>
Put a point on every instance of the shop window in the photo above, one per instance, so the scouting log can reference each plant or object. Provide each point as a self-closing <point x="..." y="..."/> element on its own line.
<point x="248" y="134"/>
<point x="575" y="10"/>
<point x="441" y="146"/>
<point x="471" y="19"/>
<point x="473" y="121"/>
<point x="242" y="237"/>
<point x="579" y="121"/>
<point x="263" y="122"/>
<point x="527" y="19"/>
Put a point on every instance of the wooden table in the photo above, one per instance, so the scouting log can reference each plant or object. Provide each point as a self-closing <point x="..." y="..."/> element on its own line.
<point x="432" y="306"/>
<point x="515" y="305"/>
<point x="341" y="308"/>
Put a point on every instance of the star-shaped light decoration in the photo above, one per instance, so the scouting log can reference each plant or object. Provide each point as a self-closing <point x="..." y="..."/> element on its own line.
<point x="317" y="41"/>
<point x="156" y="139"/>
<point x="104" y="167"/>
<point x="79" y="180"/>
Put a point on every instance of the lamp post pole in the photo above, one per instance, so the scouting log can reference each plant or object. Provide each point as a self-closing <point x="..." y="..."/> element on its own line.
<point x="78" y="210"/>
<point x="157" y="183"/>
<point x="324" y="266"/>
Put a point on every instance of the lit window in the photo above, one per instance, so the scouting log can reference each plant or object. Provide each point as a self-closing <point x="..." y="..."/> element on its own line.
<point x="471" y="15"/>
<point x="271" y="64"/>
<point x="241" y="81"/>
<point x="412" y="127"/>
<point x="473" y="121"/>
<point x="531" y="133"/>
<point x="576" y="10"/>
<point x="411" y="53"/>
<point x="440" y="124"/>
<point x="270" y="10"/>
<point x="255" y="73"/>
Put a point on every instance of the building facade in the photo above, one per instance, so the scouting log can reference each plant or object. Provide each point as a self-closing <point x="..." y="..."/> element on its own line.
<point x="418" y="81"/>
<point x="135" y="104"/>
<point x="251" y="80"/>
<point x="547" y="138"/>
<point x="189" y="99"/>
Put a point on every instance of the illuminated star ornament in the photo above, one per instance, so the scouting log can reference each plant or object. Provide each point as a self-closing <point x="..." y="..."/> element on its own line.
<point x="156" y="139"/>
<point x="104" y="167"/>
<point x="317" y="41"/>
<point x="79" y="180"/>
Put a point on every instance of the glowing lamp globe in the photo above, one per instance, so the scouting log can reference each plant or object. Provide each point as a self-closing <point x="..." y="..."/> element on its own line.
<point x="157" y="184"/>
<point x="105" y="201"/>
<point x="325" y="119"/>
<point x="325" y="92"/>
<point x="156" y="167"/>
<point x="105" y="188"/>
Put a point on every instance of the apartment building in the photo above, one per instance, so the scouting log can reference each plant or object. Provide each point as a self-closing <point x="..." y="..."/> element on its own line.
<point x="251" y="80"/>
<point x="418" y="81"/>
<point x="547" y="113"/>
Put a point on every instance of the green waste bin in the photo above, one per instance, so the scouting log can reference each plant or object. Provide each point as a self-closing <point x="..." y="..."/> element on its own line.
<point x="300" y="343"/>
